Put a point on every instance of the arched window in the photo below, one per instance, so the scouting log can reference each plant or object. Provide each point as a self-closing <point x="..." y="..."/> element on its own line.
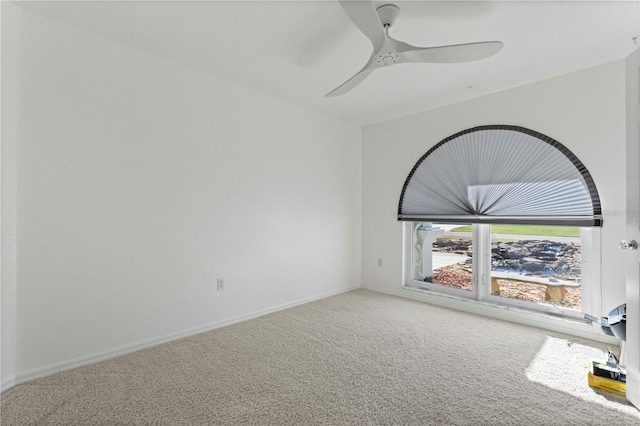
<point x="500" y="174"/>
<point x="499" y="214"/>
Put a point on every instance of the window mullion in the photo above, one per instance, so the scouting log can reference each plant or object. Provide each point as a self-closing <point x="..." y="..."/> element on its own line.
<point x="482" y="260"/>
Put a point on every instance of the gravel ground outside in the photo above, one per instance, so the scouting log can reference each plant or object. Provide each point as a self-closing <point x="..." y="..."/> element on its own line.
<point x="456" y="276"/>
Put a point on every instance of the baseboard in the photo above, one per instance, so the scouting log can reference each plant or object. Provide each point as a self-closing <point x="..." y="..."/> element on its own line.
<point x="530" y="319"/>
<point x="123" y="350"/>
<point x="8" y="384"/>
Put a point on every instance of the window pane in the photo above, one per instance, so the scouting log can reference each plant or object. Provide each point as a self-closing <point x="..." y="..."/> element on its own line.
<point x="443" y="254"/>
<point x="540" y="264"/>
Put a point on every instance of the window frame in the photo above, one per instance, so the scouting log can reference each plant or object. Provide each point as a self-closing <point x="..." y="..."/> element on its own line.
<point x="435" y="287"/>
<point x="591" y="281"/>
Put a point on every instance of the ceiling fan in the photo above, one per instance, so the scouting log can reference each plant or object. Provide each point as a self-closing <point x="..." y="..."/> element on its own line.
<point x="375" y="23"/>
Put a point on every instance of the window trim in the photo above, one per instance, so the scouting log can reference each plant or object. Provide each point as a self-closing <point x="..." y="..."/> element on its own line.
<point x="481" y="291"/>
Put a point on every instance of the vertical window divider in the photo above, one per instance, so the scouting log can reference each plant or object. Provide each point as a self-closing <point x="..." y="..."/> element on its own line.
<point x="592" y="271"/>
<point x="482" y="257"/>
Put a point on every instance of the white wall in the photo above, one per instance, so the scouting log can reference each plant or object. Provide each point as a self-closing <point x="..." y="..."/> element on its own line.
<point x="584" y="111"/>
<point x="632" y="257"/>
<point x="8" y="154"/>
<point x="141" y="181"/>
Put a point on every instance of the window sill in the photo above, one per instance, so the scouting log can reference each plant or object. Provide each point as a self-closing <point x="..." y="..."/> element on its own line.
<point x="573" y="326"/>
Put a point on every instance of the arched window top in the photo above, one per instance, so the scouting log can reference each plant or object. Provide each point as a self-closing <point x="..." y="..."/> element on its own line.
<point x="500" y="174"/>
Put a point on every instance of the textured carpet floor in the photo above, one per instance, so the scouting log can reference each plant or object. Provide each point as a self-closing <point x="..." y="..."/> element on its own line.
<point x="357" y="358"/>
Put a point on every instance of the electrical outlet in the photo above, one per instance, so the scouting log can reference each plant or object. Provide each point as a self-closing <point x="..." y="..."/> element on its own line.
<point x="379" y="261"/>
<point x="220" y="283"/>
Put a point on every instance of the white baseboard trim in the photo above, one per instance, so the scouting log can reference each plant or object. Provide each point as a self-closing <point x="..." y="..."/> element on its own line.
<point x="8" y="384"/>
<point x="530" y="319"/>
<point x="123" y="350"/>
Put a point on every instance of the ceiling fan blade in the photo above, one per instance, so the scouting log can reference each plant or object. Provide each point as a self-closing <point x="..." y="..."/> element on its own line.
<point x="353" y="81"/>
<point x="450" y="54"/>
<point x="364" y="15"/>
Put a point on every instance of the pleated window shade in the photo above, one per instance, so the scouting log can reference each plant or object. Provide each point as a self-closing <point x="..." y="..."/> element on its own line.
<point x="500" y="174"/>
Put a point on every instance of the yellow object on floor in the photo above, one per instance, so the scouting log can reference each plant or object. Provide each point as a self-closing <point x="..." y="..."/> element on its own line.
<point x="608" y="385"/>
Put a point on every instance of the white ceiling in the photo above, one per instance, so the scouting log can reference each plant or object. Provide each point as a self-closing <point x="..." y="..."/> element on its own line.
<point x="300" y="50"/>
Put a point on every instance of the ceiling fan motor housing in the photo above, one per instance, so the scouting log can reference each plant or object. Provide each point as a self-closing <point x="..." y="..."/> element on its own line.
<point x="387" y="58"/>
<point x="388" y="14"/>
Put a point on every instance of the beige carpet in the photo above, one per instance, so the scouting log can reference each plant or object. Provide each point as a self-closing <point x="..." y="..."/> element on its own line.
<point x="357" y="358"/>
